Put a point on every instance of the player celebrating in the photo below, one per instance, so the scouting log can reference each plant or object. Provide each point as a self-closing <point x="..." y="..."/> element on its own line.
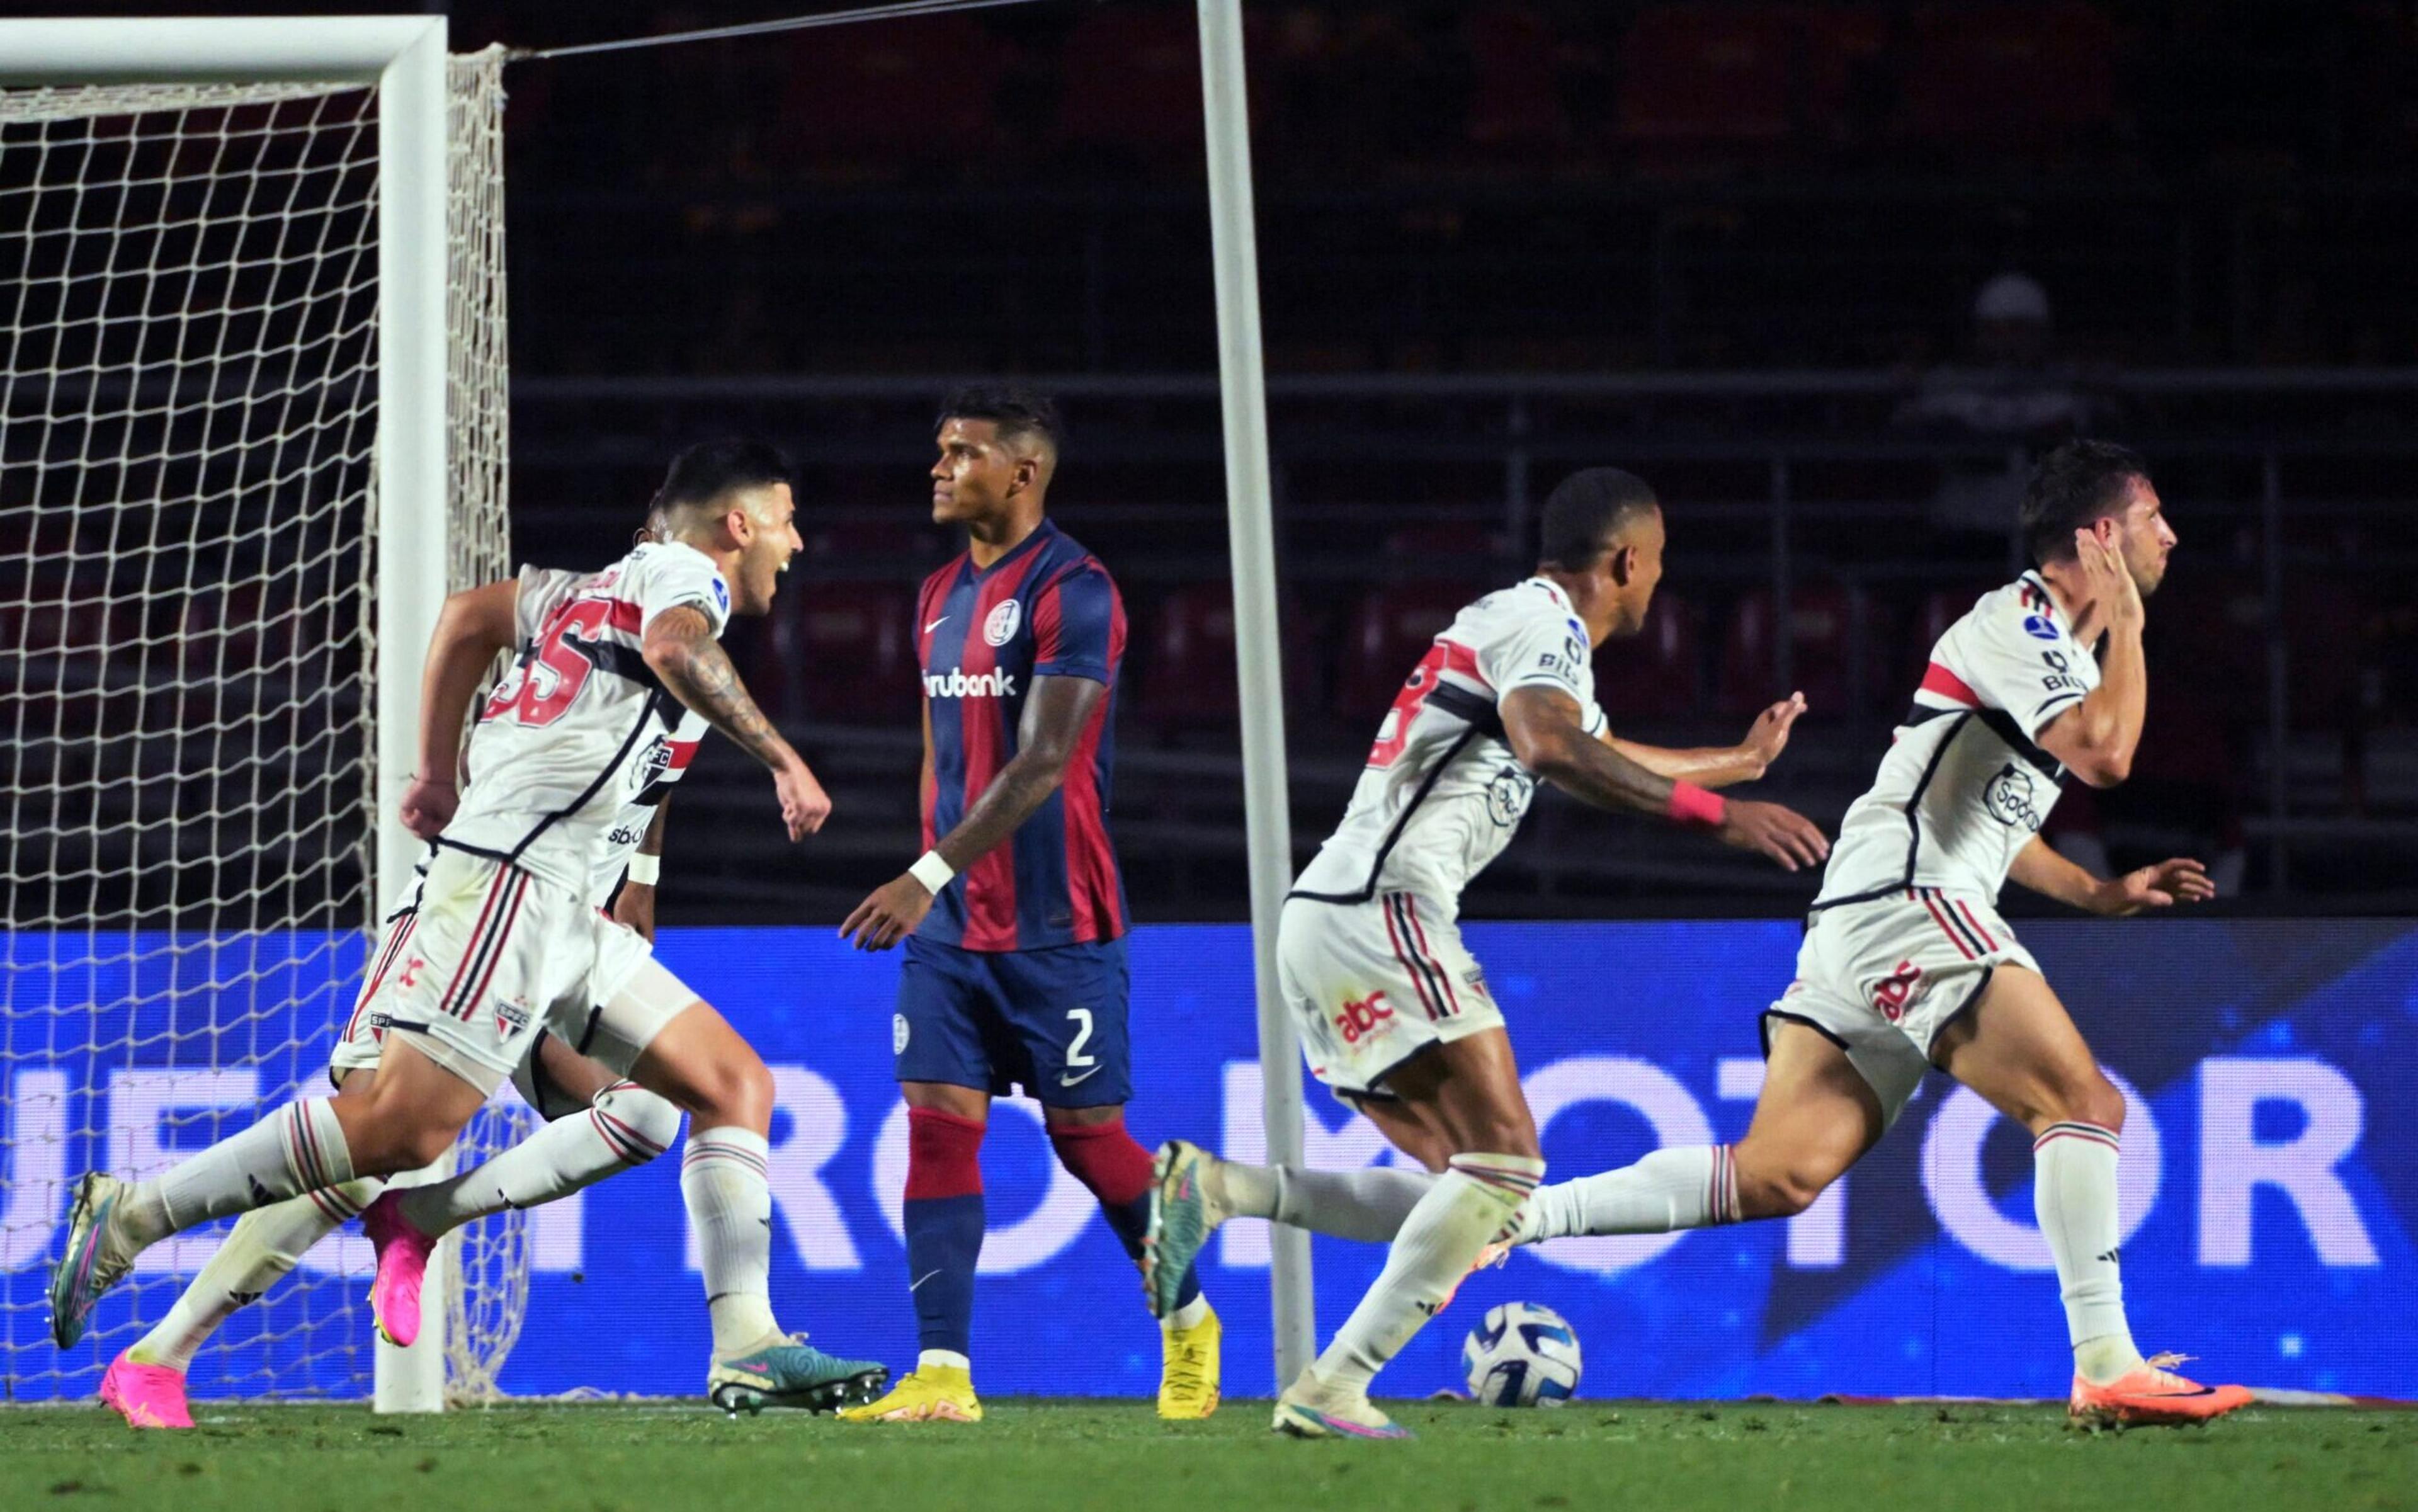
<point x="1017" y="974"/>
<point x="1907" y="964"/>
<point x="1394" y="1013"/>
<point x="505" y="941"/>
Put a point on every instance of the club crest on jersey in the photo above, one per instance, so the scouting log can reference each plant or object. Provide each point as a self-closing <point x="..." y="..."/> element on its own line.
<point x="2009" y="798"/>
<point x="651" y="766"/>
<point x="1000" y="627"/>
<point x="512" y="1016"/>
<point x="1507" y="796"/>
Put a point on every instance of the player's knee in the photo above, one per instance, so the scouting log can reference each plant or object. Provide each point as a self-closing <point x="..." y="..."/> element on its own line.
<point x="2093" y="1099"/>
<point x="737" y="1091"/>
<point x="1776" y="1193"/>
<point x="653" y="1121"/>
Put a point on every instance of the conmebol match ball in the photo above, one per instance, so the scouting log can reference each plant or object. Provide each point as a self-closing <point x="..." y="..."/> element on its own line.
<point x="1522" y="1355"/>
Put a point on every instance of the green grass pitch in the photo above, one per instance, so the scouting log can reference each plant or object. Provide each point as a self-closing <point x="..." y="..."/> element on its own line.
<point x="1063" y="1454"/>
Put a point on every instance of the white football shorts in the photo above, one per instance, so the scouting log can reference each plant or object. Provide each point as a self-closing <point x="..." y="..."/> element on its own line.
<point x="1373" y="984"/>
<point x="1880" y="980"/>
<point x="484" y="955"/>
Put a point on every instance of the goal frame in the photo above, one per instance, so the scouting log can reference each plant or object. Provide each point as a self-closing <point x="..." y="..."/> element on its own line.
<point x="405" y="57"/>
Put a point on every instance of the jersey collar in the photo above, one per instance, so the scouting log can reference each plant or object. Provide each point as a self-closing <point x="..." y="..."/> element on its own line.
<point x="1553" y="591"/>
<point x="1040" y="533"/>
<point x="2057" y="613"/>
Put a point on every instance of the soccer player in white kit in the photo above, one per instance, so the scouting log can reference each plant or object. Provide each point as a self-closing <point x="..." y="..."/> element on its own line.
<point x="1394" y="1013"/>
<point x="1906" y="965"/>
<point x="506" y="940"/>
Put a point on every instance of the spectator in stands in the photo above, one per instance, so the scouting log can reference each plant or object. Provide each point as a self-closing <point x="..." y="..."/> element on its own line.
<point x="2015" y="397"/>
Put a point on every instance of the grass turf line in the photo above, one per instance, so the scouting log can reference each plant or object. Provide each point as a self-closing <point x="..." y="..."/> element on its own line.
<point x="1055" y="1455"/>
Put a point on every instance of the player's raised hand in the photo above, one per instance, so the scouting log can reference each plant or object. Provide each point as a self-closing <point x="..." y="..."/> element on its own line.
<point x="804" y="805"/>
<point x="1778" y="831"/>
<point x="428" y="806"/>
<point x="889" y="915"/>
<point x="2112" y="589"/>
<point x="1769" y="735"/>
<point x="2163" y="885"/>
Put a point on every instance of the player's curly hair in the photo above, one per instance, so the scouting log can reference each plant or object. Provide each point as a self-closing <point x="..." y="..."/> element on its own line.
<point x="1585" y="511"/>
<point x="703" y="473"/>
<point x="2076" y="485"/>
<point x="1017" y="411"/>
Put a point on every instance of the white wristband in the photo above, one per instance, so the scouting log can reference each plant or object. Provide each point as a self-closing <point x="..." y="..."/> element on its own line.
<point x="930" y="870"/>
<point x="646" y="870"/>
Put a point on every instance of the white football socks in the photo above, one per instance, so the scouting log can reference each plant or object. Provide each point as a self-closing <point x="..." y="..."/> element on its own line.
<point x="2074" y="1196"/>
<point x="299" y="1148"/>
<point x="1472" y="1203"/>
<point x="1685" y="1187"/>
<point x="1369" y="1204"/>
<point x="265" y="1244"/>
<point x="730" y="1207"/>
<point x="625" y="1126"/>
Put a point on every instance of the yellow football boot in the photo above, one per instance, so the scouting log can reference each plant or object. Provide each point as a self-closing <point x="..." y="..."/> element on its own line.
<point x="1188" y="1384"/>
<point x="931" y="1393"/>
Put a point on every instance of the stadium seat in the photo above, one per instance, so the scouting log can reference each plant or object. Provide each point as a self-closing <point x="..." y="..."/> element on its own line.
<point x="1660" y="670"/>
<point x="1826" y="620"/>
<point x="1698" y="74"/>
<point x="2009" y="75"/>
<point x="1188" y="678"/>
<point x="913" y="91"/>
<point x="1385" y="638"/>
<point x="843" y="653"/>
<point x="1515" y="97"/>
<point x="1844" y="52"/>
<point x="1130" y="85"/>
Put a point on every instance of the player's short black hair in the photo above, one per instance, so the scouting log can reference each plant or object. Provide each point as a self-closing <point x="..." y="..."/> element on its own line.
<point x="1585" y="511"/>
<point x="706" y="471"/>
<point x="2076" y="485"/>
<point x="1017" y="412"/>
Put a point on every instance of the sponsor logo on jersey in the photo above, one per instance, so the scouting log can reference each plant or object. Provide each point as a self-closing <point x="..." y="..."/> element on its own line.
<point x="1363" y="1017"/>
<point x="1894" y="991"/>
<point x="2038" y="628"/>
<point x="1509" y="794"/>
<point x="955" y="684"/>
<point x="1002" y="624"/>
<point x="721" y="594"/>
<point x="621" y="834"/>
<point x="2009" y="798"/>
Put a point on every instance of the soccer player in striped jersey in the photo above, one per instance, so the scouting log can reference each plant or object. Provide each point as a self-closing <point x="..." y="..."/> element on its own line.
<point x="1394" y="1013"/>
<point x="1906" y="965"/>
<point x="1015" y="917"/>
<point x="505" y="942"/>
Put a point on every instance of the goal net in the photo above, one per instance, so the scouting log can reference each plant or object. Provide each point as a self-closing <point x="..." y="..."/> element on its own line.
<point x="189" y="577"/>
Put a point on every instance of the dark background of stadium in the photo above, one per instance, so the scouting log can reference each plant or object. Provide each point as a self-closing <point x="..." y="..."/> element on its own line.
<point x="1735" y="247"/>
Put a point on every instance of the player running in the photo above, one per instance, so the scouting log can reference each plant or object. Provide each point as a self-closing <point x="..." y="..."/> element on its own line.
<point x="506" y="941"/>
<point x="1017" y="974"/>
<point x="1394" y="1013"/>
<point x="1906" y="965"/>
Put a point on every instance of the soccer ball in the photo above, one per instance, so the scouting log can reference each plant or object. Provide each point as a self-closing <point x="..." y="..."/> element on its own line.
<point x="1522" y="1355"/>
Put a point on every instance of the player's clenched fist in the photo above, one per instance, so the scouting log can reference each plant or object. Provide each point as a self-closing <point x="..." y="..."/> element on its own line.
<point x="1785" y="836"/>
<point x="804" y="805"/>
<point x="889" y="915"/>
<point x="428" y="806"/>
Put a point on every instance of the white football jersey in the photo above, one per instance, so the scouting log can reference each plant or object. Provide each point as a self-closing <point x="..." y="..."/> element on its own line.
<point x="1963" y="786"/>
<point x="1442" y="794"/>
<point x="572" y="747"/>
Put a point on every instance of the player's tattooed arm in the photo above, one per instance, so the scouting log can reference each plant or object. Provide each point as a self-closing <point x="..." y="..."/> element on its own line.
<point x="2179" y="880"/>
<point x="1718" y="766"/>
<point x="634" y="905"/>
<point x="1055" y="717"/>
<point x="474" y="625"/>
<point x="1545" y="731"/>
<point x="682" y="650"/>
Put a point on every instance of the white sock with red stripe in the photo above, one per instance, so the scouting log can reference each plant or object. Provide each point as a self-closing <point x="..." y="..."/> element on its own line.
<point x="1685" y="1186"/>
<point x="299" y="1148"/>
<point x="1369" y="1204"/>
<point x="625" y="1126"/>
<point x="730" y="1210"/>
<point x="2074" y="1195"/>
<point x="1479" y="1199"/>
<point x="263" y="1246"/>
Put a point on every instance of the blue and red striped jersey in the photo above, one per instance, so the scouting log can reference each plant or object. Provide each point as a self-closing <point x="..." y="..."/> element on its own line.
<point x="1047" y="609"/>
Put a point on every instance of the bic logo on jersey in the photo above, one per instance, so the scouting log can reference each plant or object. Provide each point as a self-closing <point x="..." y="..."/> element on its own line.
<point x="1362" y="1016"/>
<point x="955" y="684"/>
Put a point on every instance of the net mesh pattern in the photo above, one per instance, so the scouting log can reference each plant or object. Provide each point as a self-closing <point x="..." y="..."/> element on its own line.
<point x="188" y="412"/>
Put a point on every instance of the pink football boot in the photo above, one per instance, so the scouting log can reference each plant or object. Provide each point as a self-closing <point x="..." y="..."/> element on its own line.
<point x="403" y="1254"/>
<point x="146" y="1396"/>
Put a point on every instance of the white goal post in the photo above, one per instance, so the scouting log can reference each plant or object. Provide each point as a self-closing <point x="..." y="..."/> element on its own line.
<point x="425" y="495"/>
